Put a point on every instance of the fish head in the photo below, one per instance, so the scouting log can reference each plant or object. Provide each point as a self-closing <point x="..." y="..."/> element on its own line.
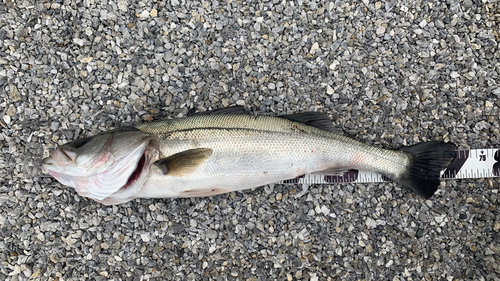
<point x="98" y="166"/>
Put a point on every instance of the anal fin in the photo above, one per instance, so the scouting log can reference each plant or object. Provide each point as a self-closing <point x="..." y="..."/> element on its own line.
<point x="205" y="192"/>
<point x="337" y="171"/>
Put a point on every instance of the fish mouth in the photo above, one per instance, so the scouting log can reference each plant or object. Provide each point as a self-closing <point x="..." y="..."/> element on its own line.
<point x="135" y="180"/>
<point x="136" y="174"/>
<point x="58" y="156"/>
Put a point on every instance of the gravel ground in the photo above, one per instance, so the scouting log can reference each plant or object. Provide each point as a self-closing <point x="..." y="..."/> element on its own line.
<point x="389" y="73"/>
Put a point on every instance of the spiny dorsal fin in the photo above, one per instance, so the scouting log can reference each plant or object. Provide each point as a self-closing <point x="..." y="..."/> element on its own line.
<point x="314" y="119"/>
<point x="183" y="163"/>
<point x="226" y="110"/>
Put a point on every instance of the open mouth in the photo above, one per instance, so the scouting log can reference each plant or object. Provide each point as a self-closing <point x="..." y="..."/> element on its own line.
<point x="136" y="173"/>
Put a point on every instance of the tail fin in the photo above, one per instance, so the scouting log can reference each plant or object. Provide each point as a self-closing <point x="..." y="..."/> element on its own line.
<point x="427" y="161"/>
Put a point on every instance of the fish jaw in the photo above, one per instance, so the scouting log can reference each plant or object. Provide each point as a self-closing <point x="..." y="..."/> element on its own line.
<point x="59" y="157"/>
<point x="93" y="181"/>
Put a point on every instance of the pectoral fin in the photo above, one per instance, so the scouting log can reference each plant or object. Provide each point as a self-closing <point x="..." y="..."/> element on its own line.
<point x="183" y="163"/>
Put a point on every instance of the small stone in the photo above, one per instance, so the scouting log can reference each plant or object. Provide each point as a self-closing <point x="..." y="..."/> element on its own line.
<point x="488" y="252"/>
<point x="144" y="15"/>
<point x="6" y="119"/>
<point x="40" y="237"/>
<point x="288" y="12"/>
<point x="439" y="24"/>
<point x="279" y="196"/>
<point x="334" y="65"/>
<point x="14" y="93"/>
<point x="11" y="111"/>
<point x="54" y="126"/>
<point x="314" y="48"/>
<point x="461" y="93"/>
<point x="212" y="234"/>
<point x="145" y="237"/>
<point x="418" y="31"/>
<point x="21" y="32"/>
<point x="16" y="270"/>
<point x="454" y="74"/>
<point x="317" y="209"/>
<point x="153" y="13"/>
<point x="429" y="203"/>
<point x="329" y="90"/>
<point x="35" y="274"/>
<point x="325" y="210"/>
<point x="175" y="2"/>
<point x="370" y="223"/>
<point x="157" y="249"/>
<point x="86" y="60"/>
<point x="122" y="5"/>
<point x="475" y="46"/>
<point x="496" y="226"/>
<point x="78" y="41"/>
<point x="439" y="219"/>
<point x="380" y="30"/>
<point x="369" y="248"/>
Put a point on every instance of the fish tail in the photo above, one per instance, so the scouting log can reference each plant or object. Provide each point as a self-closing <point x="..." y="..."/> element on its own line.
<point x="427" y="160"/>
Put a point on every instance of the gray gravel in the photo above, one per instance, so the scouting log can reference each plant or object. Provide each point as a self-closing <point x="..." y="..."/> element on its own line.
<point x="389" y="73"/>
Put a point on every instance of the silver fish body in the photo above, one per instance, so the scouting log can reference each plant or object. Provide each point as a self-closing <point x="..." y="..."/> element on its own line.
<point x="217" y="153"/>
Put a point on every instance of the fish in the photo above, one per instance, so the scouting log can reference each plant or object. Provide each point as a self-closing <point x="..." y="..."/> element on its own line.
<point x="228" y="150"/>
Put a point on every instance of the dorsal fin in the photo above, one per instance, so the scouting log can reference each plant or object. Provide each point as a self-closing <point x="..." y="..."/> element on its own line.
<point x="226" y="110"/>
<point x="315" y="119"/>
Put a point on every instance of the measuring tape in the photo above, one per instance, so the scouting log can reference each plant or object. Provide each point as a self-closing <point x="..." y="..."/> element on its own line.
<point x="469" y="164"/>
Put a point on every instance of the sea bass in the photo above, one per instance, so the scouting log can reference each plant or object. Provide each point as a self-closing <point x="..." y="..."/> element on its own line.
<point x="224" y="150"/>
